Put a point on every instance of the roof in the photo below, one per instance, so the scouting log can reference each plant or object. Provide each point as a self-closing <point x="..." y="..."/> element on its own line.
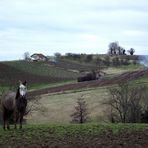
<point x="40" y="55"/>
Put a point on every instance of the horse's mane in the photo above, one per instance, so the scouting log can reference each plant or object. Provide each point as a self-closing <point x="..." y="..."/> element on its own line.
<point x="24" y="83"/>
<point x="17" y="93"/>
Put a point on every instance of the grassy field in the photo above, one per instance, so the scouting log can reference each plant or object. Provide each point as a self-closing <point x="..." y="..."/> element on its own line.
<point x="50" y="107"/>
<point x="41" y="69"/>
<point x="57" y="107"/>
<point x="75" y="136"/>
<point x="113" y="71"/>
<point x="37" y="74"/>
<point x="49" y="123"/>
<point x="43" y="74"/>
<point x="50" y="85"/>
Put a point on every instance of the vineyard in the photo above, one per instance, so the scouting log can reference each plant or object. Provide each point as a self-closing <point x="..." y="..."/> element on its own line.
<point x="73" y="65"/>
<point x="36" y="73"/>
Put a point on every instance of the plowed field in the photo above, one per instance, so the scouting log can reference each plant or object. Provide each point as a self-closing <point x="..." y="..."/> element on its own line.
<point x="127" y="76"/>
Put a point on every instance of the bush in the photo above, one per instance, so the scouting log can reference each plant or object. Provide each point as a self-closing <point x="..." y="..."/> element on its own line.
<point x="128" y="104"/>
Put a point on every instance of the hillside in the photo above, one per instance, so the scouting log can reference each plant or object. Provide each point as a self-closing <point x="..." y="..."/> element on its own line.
<point x="36" y="73"/>
<point x="57" y="85"/>
<point x="56" y="103"/>
<point x="44" y="74"/>
<point x="63" y="98"/>
<point x="126" y="76"/>
<point x="73" y="65"/>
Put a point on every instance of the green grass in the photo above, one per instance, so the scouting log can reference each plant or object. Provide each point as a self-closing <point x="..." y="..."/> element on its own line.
<point x="114" y="71"/>
<point x="57" y="107"/>
<point x="141" y="81"/>
<point x="132" y="67"/>
<point x="42" y="86"/>
<point x="65" y="135"/>
<point x="62" y="129"/>
<point x="41" y="69"/>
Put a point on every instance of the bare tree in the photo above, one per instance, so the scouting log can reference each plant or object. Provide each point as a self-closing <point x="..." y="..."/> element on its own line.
<point x="81" y="114"/>
<point x="113" y="47"/>
<point x="57" y="55"/>
<point x="116" y="49"/>
<point x="131" y="51"/>
<point x="121" y="50"/>
<point x="126" y="103"/>
<point x="26" y="56"/>
<point x="33" y="104"/>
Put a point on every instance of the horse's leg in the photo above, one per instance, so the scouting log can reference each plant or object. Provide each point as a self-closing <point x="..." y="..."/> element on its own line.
<point x="21" y="119"/>
<point x="8" y="127"/>
<point x="15" y="120"/>
<point x="4" y="119"/>
<point x="7" y="119"/>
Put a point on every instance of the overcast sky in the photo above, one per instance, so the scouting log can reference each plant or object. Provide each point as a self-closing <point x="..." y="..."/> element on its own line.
<point x="78" y="26"/>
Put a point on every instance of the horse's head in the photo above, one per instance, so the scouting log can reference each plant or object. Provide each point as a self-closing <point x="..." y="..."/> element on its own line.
<point x="23" y="89"/>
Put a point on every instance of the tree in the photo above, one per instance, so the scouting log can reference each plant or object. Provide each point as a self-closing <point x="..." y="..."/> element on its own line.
<point x="80" y="115"/>
<point x="131" y="51"/>
<point x="57" y="55"/>
<point x="127" y="103"/>
<point x="121" y="50"/>
<point x="113" y="47"/>
<point x="34" y="105"/>
<point x="124" y="51"/>
<point x="26" y="56"/>
<point x="116" y="49"/>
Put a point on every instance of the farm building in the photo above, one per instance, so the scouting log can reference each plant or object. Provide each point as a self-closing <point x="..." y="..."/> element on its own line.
<point x="38" y="57"/>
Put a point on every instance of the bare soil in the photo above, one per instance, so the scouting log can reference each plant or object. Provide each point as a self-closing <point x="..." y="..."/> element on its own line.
<point x="135" y="139"/>
<point x="127" y="76"/>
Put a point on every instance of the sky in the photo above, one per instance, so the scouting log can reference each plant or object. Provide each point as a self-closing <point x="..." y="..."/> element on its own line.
<point x="77" y="26"/>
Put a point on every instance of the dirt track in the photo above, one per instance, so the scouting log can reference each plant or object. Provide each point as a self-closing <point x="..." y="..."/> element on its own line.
<point x="97" y="83"/>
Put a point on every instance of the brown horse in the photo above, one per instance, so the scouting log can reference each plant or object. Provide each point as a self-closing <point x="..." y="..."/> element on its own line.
<point x="14" y="104"/>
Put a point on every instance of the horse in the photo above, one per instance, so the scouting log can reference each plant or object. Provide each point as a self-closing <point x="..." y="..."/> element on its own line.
<point x="14" y="103"/>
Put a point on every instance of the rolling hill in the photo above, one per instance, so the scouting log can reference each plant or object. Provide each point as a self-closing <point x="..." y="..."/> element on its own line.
<point x="45" y="74"/>
<point x="126" y="76"/>
<point x="57" y="107"/>
<point x="36" y="73"/>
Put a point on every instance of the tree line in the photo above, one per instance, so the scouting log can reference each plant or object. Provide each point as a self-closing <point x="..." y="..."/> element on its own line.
<point x="126" y="103"/>
<point x="102" y="60"/>
<point x="116" y="56"/>
<point x="116" y="49"/>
